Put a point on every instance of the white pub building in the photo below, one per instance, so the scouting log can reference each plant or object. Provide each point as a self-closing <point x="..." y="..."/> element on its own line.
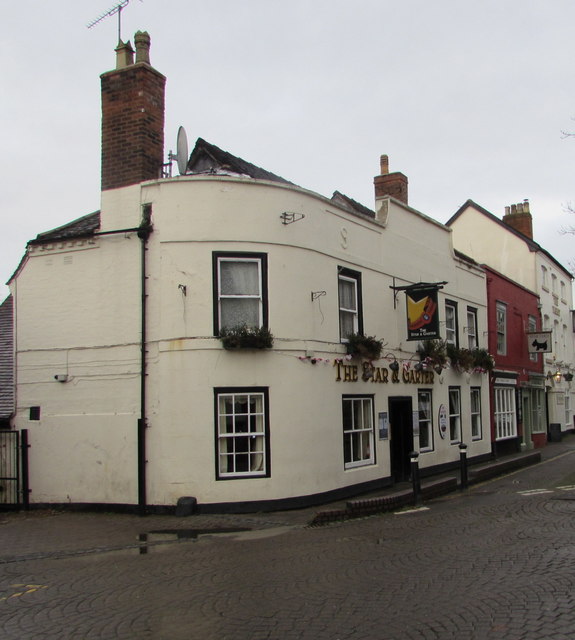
<point x="190" y="339"/>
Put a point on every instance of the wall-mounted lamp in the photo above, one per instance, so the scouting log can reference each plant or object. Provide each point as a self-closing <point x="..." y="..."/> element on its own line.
<point x="317" y="294"/>
<point x="557" y="376"/>
<point x="61" y="377"/>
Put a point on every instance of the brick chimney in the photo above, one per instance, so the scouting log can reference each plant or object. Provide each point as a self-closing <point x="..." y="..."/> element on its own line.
<point x="519" y="218"/>
<point x="390" y="184"/>
<point x="132" y="117"/>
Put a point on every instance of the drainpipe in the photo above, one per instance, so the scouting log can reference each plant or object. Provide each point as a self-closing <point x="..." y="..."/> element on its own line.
<point x="143" y="233"/>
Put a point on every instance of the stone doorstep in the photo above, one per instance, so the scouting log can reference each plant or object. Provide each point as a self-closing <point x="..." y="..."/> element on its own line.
<point x="489" y="470"/>
<point x="362" y="507"/>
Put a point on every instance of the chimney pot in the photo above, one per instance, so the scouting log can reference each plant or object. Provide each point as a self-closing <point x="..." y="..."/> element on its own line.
<point x="384" y="165"/>
<point x="526" y="206"/>
<point x="124" y="55"/>
<point x="142" y="42"/>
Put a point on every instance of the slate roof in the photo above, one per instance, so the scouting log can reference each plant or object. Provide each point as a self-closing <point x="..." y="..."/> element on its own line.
<point x="6" y="359"/>
<point x="81" y="227"/>
<point x="533" y="246"/>
<point x="207" y="158"/>
<point x="352" y="205"/>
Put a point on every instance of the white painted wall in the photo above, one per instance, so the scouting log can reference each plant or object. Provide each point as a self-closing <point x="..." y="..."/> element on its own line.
<point x="83" y="318"/>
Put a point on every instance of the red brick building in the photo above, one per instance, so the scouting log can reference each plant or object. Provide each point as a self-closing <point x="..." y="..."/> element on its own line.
<point x="517" y="389"/>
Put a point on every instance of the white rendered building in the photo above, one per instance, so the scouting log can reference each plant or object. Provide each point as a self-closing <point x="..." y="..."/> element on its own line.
<point x="122" y="380"/>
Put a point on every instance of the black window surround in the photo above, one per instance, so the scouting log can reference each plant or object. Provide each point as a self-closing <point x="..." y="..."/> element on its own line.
<point x="240" y="436"/>
<point x="344" y="272"/>
<point x="230" y="255"/>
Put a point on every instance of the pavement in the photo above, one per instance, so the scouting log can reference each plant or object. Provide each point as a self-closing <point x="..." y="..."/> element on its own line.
<point x="54" y="533"/>
<point x="494" y="562"/>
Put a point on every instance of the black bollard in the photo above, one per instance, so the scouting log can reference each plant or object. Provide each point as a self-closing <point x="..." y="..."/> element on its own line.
<point x="463" y="482"/>
<point x="414" y="457"/>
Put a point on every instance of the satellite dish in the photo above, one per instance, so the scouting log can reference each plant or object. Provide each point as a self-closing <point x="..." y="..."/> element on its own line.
<point x="182" y="151"/>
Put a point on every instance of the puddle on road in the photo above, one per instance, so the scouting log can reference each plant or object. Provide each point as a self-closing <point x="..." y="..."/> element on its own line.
<point x="160" y="540"/>
<point x="161" y="536"/>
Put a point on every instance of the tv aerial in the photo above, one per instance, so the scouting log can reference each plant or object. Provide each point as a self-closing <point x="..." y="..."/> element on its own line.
<point x="181" y="155"/>
<point x="115" y="9"/>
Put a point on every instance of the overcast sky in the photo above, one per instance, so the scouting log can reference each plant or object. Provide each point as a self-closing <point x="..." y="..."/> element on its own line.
<point x="468" y="99"/>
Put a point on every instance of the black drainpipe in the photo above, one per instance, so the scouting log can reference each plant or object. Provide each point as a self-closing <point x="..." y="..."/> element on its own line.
<point x="143" y="233"/>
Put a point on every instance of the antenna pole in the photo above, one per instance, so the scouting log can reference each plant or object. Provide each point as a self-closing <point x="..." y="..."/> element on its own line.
<point x="115" y="9"/>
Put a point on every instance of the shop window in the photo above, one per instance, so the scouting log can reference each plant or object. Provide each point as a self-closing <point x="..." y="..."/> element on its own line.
<point x="505" y="415"/>
<point x="242" y="433"/>
<point x="350" y="307"/>
<point x="475" y="398"/>
<point x="425" y="420"/>
<point x="240" y="290"/>
<point x="501" y="324"/>
<point x="358" y="436"/>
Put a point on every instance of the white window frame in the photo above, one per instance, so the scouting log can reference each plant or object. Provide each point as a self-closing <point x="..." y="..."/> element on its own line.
<point x="454" y="415"/>
<point x="472" y="328"/>
<point x="451" y="322"/>
<point x="475" y="413"/>
<point x="544" y="278"/>
<point x="358" y="437"/>
<point x="261" y="296"/>
<point x="252" y="457"/>
<point x="347" y="276"/>
<point x="501" y="327"/>
<point x="425" y="420"/>
<point x="505" y="413"/>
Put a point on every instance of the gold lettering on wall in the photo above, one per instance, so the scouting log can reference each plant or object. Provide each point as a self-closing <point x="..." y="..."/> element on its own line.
<point x="350" y="373"/>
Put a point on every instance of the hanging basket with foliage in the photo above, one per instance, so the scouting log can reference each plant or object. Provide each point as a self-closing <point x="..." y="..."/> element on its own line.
<point x="482" y="361"/>
<point x="368" y="347"/>
<point x="433" y="354"/>
<point x="244" y="337"/>
<point x="461" y="359"/>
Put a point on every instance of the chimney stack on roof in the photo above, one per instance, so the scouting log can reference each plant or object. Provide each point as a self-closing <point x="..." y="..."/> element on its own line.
<point x="390" y="184"/>
<point x="518" y="217"/>
<point x="133" y="97"/>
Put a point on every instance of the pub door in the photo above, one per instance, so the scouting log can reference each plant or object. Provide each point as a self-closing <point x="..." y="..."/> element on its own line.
<point x="401" y="437"/>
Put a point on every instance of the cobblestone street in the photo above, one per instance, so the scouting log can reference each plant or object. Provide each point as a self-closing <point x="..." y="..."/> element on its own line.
<point x="494" y="562"/>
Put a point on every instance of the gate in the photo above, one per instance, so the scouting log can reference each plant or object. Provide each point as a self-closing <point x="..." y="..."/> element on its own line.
<point x="14" y="469"/>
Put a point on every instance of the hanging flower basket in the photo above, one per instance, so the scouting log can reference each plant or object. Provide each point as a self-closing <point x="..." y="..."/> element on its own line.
<point x="432" y="354"/>
<point x="461" y="359"/>
<point x="483" y="361"/>
<point x="244" y="337"/>
<point x="368" y="347"/>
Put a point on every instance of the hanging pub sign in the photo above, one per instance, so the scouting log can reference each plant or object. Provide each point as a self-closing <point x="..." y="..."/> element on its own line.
<point x="422" y="313"/>
<point x="539" y="342"/>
